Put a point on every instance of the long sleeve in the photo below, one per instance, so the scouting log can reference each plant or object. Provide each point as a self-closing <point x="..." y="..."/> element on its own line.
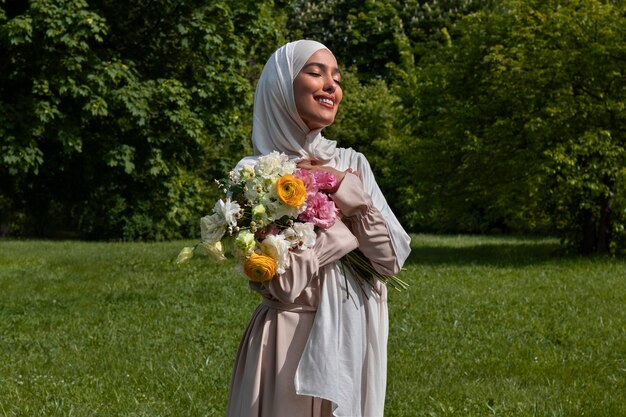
<point x="331" y="245"/>
<point x="367" y="223"/>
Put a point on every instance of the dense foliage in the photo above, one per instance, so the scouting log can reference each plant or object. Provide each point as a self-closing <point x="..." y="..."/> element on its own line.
<point x="115" y="116"/>
<point x="375" y="36"/>
<point x="520" y="124"/>
<point x="477" y="116"/>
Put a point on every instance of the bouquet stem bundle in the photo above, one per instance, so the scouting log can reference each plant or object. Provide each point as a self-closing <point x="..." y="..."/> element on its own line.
<point x="362" y="268"/>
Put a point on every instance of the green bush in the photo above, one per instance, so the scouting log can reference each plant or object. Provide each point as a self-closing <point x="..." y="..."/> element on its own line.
<point x="113" y="113"/>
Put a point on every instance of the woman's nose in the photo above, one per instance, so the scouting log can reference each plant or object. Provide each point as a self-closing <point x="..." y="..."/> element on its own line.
<point x="329" y="84"/>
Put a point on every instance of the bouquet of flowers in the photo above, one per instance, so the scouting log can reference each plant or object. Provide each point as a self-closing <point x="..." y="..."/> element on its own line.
<point x="269" y="209"/>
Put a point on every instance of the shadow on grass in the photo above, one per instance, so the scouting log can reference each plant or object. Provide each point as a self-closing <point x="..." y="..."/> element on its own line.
<point x="497" y="253"/>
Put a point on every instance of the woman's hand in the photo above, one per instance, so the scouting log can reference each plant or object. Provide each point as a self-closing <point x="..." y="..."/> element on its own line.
<point x="313" y="166"/>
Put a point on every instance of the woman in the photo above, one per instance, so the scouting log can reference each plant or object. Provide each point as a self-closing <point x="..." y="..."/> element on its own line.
<point x="317" y="345"/>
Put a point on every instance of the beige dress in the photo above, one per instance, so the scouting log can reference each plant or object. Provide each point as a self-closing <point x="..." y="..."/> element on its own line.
<point x="272" y="345"/>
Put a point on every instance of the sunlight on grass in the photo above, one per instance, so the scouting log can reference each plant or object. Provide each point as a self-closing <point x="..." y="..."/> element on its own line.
<point x="490" y="326"/>
<point x="504" y="326"/>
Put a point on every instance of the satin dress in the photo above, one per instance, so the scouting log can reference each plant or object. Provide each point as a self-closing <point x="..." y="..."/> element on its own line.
<point x="266" y="381"/>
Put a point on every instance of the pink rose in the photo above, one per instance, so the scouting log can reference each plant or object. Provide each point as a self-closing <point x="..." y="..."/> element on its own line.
<point x="325" y="180"/>
<point x="320" y="210"/>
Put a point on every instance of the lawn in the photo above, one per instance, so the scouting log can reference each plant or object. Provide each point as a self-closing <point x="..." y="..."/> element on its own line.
<point x="491" y="326"/>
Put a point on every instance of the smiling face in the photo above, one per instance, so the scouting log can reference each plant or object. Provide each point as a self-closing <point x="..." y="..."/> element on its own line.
<point x="317" y="90"/>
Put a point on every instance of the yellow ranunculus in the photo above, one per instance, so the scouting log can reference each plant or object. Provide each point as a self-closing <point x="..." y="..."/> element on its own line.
<point x="291" y="190"/>
<point x="260" y="268"/>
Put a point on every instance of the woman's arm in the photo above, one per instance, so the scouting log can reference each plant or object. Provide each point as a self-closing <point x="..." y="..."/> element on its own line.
<point x="366" y="223"/>
<point x="331" y="245"/>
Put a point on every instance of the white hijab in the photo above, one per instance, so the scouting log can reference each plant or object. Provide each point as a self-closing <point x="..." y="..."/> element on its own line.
<point x="276" y="124"/>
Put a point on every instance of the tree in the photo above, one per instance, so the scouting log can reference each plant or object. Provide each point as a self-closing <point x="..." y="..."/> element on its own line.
<point x="381" y="43"/>
<point x="373" y="36"/>
<point x="520" y="122"/>
<point x="115" y="116"/>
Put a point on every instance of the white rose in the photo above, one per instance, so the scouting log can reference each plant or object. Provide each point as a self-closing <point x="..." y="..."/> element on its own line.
<point x="301" y="235"/>
<point x="287" y="167"/>
<point x="278" y="248"/>
<point x="212" y="228"/>
<point x="273" y="165"/>
<point x="267" y="165"/>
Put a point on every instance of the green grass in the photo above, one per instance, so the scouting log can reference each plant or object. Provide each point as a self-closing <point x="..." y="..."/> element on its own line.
<point x="490" y="326"/>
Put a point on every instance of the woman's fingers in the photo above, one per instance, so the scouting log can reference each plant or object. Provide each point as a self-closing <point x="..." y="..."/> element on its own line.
<point x="313" y="166"/>
<point x="307" y="164"/>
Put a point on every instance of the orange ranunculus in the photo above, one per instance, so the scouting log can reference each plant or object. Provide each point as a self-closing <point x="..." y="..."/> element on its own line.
<point x="260" y="268"/>
<point x="291" y="190"/>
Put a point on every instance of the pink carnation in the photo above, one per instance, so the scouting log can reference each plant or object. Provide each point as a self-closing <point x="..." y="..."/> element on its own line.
<point x="308" y="178"/>
<point x="325" y="180"/>
<point x="320" y="210"/>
